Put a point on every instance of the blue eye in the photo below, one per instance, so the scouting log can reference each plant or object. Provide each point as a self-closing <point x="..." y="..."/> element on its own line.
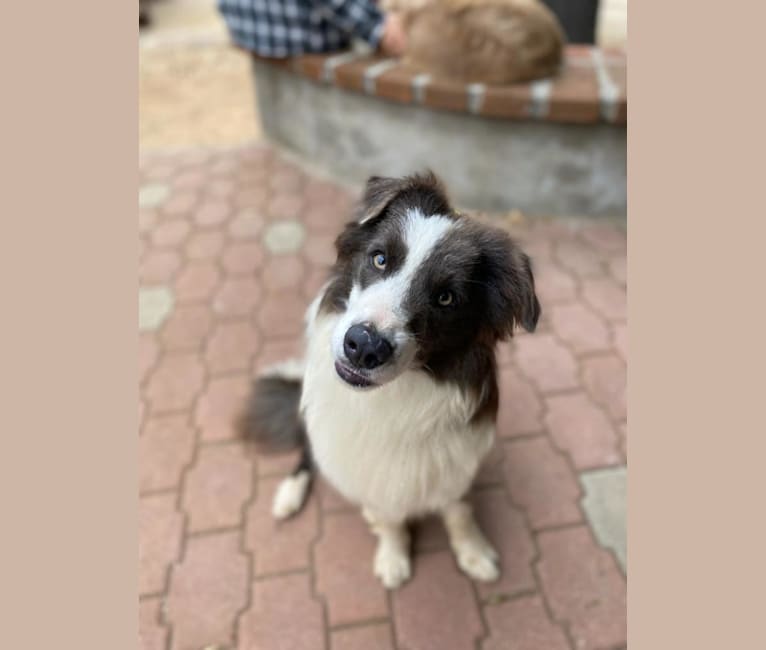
<point x="445" y="298"/>
<point x="379" y="261"/>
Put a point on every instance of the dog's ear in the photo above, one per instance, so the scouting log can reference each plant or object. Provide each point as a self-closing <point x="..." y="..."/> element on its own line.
<point x="378" y="193"/>
<point x="424" y="191"/>
<point x="509" y="285"/>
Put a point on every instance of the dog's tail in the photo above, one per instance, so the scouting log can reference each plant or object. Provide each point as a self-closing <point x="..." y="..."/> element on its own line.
<point x="271" y="418"/>
<point x="273" y="422"/>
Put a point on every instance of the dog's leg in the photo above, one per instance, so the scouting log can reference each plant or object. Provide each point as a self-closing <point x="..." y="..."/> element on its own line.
<point x="392" y="557"/>
<point x="291" y="492"/>
<point x="474" y="554"/>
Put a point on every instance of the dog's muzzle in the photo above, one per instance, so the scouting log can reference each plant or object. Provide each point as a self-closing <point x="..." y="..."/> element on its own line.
<point x="365" y="348"/>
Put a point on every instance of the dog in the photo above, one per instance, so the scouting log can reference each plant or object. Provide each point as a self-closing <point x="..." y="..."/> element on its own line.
<point x="481" y="41"/>
<point x="395" y="400"/>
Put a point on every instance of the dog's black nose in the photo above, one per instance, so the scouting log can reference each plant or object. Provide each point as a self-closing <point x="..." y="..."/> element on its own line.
<point x="365" y="348"/>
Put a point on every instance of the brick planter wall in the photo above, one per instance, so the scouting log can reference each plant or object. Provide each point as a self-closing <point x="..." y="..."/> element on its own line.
<point x="555" y="146"/>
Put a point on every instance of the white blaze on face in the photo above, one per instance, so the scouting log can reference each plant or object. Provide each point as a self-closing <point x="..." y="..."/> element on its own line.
<point x="382" y="302"/>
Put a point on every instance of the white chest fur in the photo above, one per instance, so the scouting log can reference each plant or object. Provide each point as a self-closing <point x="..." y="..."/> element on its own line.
<point x="402" y="449"/>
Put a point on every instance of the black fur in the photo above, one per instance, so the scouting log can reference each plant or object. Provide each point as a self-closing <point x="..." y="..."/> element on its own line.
<point x="486" y="272"/>
<point x="489" y="276"/>
<point x="271" y="418"/>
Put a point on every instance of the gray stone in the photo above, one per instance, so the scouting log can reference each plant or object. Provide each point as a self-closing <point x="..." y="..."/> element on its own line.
<point x="152" y="195"/>
<point x="283" y="237"/>
<point x="541" y="168"/>
<point x="154" y="306"/>
<point x="605" y="507"/>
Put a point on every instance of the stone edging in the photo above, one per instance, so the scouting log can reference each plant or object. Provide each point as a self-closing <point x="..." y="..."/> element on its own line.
<point x="590" y="88"/>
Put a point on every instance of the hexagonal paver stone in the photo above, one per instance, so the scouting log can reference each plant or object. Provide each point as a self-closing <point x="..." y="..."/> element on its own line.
<point x="605" y="504"/>
<point x="154" y="306"/>
<point x="525" y="621"/>
<point x="280" y="546"/>
<point x="152" y="195"/>
<point x="152" y="635"/>
<point x="506" y="529"/>
<point x="175" y="382"/>
<point x="165" y="448"/>
<point x="159" y="540"/>
<point x="343" y="568"/>
<point x="284" y="237"/>
<point x="436" y="609"/>
<point x="369" y="637"/>
<point x="541" y="482"/>
<point x="207" y="591"/>
<point x="584" y="587"/>
<point x="582" y="430"/>
<point x="216" y="488"/>
<point x="547" y="363"/>
<point x="283" y="614"/>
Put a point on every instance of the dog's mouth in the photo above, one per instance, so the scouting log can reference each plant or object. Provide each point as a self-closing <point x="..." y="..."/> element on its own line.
<point x="353" y="377"/>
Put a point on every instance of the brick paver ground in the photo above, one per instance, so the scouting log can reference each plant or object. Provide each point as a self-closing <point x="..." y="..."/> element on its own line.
<point x="232" y="245"/>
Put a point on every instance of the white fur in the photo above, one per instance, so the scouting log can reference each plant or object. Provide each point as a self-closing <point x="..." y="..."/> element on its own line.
<point x="474" y="553"/>
<point x="392" y="557"/>
<point x="402" y="449"/>
<point x="290" y="495"/>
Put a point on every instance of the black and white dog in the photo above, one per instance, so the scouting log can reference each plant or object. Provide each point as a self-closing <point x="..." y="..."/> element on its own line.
<point x="396" y="398"/>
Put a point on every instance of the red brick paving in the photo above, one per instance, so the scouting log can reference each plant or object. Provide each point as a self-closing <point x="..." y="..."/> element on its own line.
<point x="220" y="404"/>
<point x="541" y="481"/>
<point x="150" y="630"/>
<point x="506" y="528"/>
<point x="175" y="382"/>
<point x="581" y="429"/>
<point x="166" y="447"/>
<point x="343" y="559"/>
<point x="216" y="570"/>
<point x="526" y="622"/>
<point x="279" y="546"/>
<point x="369" y="637"/>
<point x="606" y="381"/>
<point x="216" y="487"/>
<point x="159" y="534"/>
<point x="584" y="587"/>
<point x="186" y="328"/>
<point x="520" y="412"/>
<point x="579" y="327"/>
<point x="231" y="346"/>
<point x="284" y="615"/>
<point x="437" y="608"/>
<point x="207" y="591"/>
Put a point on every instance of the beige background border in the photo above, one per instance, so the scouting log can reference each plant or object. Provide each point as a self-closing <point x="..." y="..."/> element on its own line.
<point x="68" y="557"/>
<point x="696" y="428"/>
<point x="69" y="342"/>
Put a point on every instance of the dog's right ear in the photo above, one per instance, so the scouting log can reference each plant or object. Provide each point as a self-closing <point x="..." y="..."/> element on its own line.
<point x="378" y="193"/>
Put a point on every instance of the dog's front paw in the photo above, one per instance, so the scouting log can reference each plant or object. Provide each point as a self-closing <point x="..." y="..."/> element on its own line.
<point x="478" y="559"/>
<point x="392" y="566"/>
<point x="290" y="495"/>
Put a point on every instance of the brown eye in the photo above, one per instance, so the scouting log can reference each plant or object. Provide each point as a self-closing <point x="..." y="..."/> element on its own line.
<point x="445" y="298"/>
<point x="379" y="261"/>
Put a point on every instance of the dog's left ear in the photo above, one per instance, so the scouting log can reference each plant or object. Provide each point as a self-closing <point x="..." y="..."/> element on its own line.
<point x="378" y="193"/>
<point x="424" y="190"/>
<point x="510" y="285"/>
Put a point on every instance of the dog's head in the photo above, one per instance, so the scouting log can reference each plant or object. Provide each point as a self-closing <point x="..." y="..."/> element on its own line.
<point x="418" y="286"/>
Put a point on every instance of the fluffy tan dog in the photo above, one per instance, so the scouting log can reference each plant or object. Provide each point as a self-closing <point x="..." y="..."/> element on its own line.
<point x="480" y="41"/>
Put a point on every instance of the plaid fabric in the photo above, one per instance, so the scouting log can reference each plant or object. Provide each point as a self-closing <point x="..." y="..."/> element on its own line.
<point x="280" y="28"/>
